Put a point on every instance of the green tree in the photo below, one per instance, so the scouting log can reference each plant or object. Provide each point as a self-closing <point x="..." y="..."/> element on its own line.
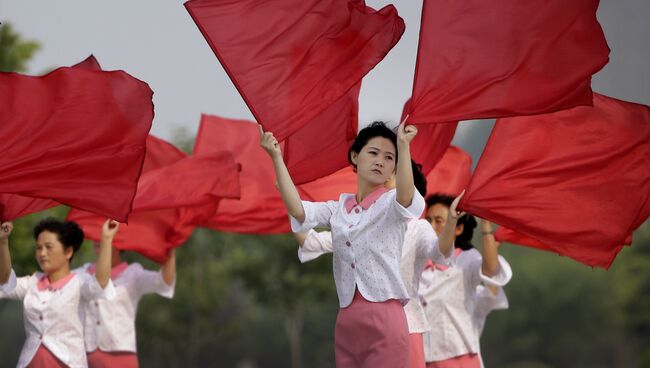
<point x="278" y="280"/>
<point x="15" y="52"/>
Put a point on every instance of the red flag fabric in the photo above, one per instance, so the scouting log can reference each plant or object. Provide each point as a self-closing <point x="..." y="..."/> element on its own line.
<point x="13" y="206"/>
<point x="89" y="63"/>
<point x="503" y="234"/>
<point x="576" y="181"/>
<point x="330" y="187"/>
<point x="432" y="141"/>
<point x="260" y="208"/>
<point x="486" y="59"/>
<point x="451" y="175"/>
<point x="166" y="198"/>
<point x="292" y="59"/>
<point x="320" y="148"/>
<point x="75" y="136"/>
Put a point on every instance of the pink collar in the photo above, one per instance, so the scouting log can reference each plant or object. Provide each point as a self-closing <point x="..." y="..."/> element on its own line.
<point x="44" y="282"/>
<point x="371" y="198"/>
<point x="429" y="264"/>
<point x="115" y="271"/>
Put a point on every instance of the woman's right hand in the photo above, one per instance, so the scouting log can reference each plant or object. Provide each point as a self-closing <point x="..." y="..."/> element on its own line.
<point x="453" y="212"/>
<point x="5" y="230"/>
<point x="109" y="229"/>
<point x="269" y="143"/>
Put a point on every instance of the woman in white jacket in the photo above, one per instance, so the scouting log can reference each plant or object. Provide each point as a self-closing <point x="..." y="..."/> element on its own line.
<point x="53" y="299"/>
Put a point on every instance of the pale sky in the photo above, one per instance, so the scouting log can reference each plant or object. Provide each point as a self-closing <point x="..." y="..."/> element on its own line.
<point x="156" y="41"/>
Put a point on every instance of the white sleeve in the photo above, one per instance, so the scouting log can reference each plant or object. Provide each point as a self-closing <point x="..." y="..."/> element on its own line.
<point x="501" y="278"/>
<point x="90" y="288"/>
<point x="428" y="246"/>
<point x="316" y="244"/>
<point x="16" y="287"/>
<point x="413" y="211"/>
<point x="317" y="214"/>
<point x="150" y="282"/>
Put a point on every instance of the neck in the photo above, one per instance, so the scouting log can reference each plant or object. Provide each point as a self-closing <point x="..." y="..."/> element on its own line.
<point x="57" y="275"/>
<point x="364" y="188"/>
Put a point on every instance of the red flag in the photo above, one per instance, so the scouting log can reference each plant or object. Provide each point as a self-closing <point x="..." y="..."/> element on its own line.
<point x="321" y="147"/>
<point x="75" y="136"/>
<point x="432" y="141"/>
<point x="576" y="181"/>
<point x="503" y="234"/>
<point x="13" y="206"/>
<point x="330" y="187"/>
<point x="166" y="196"/>
<point x="451" y="175"/>
<point x="292" y="59"/>
<point x="485" y="59"/>
<point x="260" y="208"/>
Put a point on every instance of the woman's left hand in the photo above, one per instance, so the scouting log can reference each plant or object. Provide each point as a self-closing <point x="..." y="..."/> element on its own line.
<point x="406" y="133"/>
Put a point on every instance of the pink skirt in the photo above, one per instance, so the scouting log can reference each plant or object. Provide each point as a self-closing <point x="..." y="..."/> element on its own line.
<point x="45" y="359"/>
<point x="371" y="335"/>
<point x="102" y="359"/>
<point x="462" y="361"/>
<point x="416" y="348"/>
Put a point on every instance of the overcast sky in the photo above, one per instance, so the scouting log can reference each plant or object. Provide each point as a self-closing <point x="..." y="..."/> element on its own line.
<point x="156" y="41"/>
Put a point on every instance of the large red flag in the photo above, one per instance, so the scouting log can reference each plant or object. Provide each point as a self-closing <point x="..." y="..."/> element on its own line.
<point x="165" y="197"/>
<point x="292" y="59"/>
<point x="260" y="208"/>
<point x="75" y="136"/>
<point x="13" y="206"/>
<point x="452" y="173"/>
<point x="321" y="147"/>
<point x="485" y="59"/>
<point x="576" y="181"/>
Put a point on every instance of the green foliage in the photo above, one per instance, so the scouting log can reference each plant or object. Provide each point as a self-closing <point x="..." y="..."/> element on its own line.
<point x="14" y="52"/>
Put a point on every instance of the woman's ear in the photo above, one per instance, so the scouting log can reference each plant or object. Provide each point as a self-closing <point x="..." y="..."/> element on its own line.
<point x="459" y="229"/>
<point x="354" y="157"/>
<point x="69" y="252"/>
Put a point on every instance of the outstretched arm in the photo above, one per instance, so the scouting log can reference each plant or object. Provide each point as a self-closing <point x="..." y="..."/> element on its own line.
<point x="103" y="264"/>
<point x="446" y="240"/>
<point x="490" y="250"/>
<point x="404" y="176"/>
<point x="287" y="189"/>
<point x="168" y="269"/>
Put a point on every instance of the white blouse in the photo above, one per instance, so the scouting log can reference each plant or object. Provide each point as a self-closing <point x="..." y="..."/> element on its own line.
<point x="420" y="244"/>
<point x="451" y="304"/>
<point x="486" y="303"/>
<point x="110" y="324"/>
<point x="367" y="244"/>
<point x="53" y="317"/>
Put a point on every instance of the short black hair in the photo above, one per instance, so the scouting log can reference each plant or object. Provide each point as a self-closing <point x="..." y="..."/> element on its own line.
<point x="439" y="198"/>
<point x="68" y="232"/>
<point x="464" y="240"/>
<point x="419" y="179"/>
<point x="376" y="129"/>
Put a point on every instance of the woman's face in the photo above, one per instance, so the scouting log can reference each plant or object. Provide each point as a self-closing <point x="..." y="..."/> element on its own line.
<point x="50" y="253"/>
<point x="437" y="217"/>
<point x="376" y="161"/>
